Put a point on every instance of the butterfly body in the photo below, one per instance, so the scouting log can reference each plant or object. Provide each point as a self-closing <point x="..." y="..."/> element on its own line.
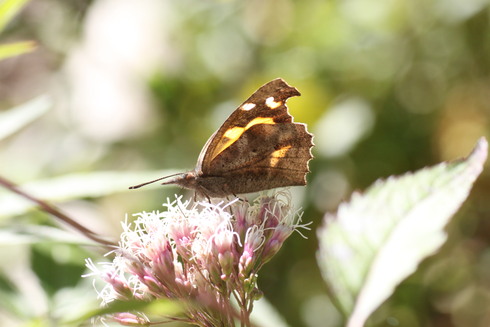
<point x="258" y="147"/>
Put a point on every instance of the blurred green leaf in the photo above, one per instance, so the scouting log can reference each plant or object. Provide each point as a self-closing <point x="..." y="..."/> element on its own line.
<point x="33" y="234"/>
<point x="15" y="49"/>
<point x="265" y="314"/>
<point x="8" y="9"/>
<point x="377" y="239"/>
<point x="16" y="118"/>
<point x="9" y="299"/>
<point x="160" y="308"/>
<point x="75" y="186"/>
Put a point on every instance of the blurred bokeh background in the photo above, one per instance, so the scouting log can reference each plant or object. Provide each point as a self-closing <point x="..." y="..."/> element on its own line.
<point x="120" y="91"/>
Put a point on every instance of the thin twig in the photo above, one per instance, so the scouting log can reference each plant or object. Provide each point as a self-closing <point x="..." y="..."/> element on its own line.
<point x="51" y="209"/>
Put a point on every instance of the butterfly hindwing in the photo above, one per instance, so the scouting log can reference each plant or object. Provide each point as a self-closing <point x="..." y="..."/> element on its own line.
<point x="251" y="165"/>
<point x="263" y="146"/>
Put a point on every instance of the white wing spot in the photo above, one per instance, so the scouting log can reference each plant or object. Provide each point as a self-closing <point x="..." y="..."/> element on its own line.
<point x="271" y="103"/>
<point x="248" y="106"/>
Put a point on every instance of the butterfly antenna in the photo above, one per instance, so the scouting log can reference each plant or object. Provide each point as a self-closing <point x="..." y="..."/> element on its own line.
<point x="153" y="181"/>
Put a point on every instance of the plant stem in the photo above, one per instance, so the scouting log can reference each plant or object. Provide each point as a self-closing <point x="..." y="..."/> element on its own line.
<point x="51" y="209"/>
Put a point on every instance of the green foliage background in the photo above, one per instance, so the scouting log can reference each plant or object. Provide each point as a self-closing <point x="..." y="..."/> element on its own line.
<point x="139" y="85"/>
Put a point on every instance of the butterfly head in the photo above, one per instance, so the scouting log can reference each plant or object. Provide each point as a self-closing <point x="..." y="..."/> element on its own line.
<point x="186" y="180"/>
<point x="202" y="187"/>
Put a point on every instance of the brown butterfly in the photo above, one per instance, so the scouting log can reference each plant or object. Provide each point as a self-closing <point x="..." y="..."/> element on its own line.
<point x="258" y="147"/>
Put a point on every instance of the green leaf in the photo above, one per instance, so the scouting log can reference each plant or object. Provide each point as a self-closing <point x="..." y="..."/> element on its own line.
<point x="378" y="238"/>
<point x="16" y="118"/>
<point x="264" y="314"/>
<point x="15" y="49"/>
<point x="8" y="9"/>
<point x="160" y="308"/>
<point x="28" y="234"/>
<point x="75" y="186"/>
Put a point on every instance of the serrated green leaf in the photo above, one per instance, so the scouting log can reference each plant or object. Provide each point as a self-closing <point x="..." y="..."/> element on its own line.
<point x="16" y="118"/>
<point x="15" y="49"/>
<point x="378" y="238"/>
<point x="74" y="186"/>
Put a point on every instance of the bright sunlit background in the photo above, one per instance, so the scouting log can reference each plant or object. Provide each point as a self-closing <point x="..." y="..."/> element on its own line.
<point x="134" y="88"/>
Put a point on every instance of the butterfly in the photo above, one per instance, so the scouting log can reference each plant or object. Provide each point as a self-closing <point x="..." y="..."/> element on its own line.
<point x="258" y="147"/>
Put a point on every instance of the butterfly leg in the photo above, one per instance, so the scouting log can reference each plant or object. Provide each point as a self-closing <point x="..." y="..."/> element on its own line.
<point x="203" y="194"/>
<point x="229" y="207"/>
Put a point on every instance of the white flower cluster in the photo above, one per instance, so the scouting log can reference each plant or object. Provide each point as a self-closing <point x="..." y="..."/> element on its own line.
<point x="201" y="253"/>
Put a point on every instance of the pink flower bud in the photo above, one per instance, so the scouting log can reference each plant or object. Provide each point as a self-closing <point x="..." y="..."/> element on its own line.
<point x="129" y="319"/>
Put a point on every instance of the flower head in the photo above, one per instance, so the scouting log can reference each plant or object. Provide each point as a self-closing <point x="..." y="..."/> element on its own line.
<point x="202" y="254"/>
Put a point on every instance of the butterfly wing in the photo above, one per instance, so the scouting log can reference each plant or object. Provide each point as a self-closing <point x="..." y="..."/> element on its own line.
<point x="258" y="147"/>
<point x="266" y="106"/>
<point x="265" y="157"/>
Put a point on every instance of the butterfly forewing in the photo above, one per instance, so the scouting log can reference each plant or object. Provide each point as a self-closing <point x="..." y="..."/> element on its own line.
<point x="267" y="106"/>
<point x="259" y="147"/>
